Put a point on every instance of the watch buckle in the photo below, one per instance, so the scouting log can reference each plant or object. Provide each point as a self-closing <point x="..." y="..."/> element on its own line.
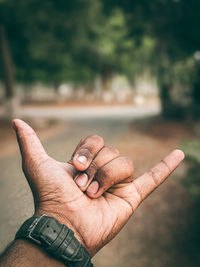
<point x="35" y="240"/>
<point x="32" y="227"/>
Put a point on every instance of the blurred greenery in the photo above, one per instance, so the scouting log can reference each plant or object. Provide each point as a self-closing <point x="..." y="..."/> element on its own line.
<point x="174" y="27"/>
<point x="190" y="242"/>
<point x="192" y="152"/>
<point x="59" y="41"/>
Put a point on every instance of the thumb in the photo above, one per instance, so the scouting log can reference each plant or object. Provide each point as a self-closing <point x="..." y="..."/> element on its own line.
<point x="29" y="144"/>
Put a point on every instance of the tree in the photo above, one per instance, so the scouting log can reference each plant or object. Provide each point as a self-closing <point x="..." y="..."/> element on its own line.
<point x="47" y="37"/>
<point x="8" y="75"/>
<point x="174" y="25"/>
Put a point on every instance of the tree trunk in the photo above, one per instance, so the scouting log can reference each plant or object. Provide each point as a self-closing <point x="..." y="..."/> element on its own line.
<point x="106" y="80"/>
<point x="170" y="110"/>
<point x="11" y="103"/>
<point x="165" y="98"/>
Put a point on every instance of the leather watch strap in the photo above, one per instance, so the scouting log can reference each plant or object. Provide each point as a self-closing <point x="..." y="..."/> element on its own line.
<point x="57" y="239"/>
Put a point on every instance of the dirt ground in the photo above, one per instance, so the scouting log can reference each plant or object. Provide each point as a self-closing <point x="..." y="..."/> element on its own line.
<point x="44" y="128"/>
<point x="157" y="234"/>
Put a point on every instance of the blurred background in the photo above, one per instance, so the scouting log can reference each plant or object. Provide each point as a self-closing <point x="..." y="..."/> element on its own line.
<point x="126" y="70"/>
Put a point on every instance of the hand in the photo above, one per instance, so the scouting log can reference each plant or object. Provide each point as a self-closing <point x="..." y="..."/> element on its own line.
<point x="94" y="194"/>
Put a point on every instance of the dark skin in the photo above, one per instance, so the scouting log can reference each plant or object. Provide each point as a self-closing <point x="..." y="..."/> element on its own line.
<point x="94" y="194"/>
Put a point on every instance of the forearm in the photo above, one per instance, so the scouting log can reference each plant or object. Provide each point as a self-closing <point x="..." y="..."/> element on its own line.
<point x="25" y="253"/>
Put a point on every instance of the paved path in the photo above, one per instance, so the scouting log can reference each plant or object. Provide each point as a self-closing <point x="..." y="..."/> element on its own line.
<point x="87" y="112"/>
<point x="90" y="112"/>
<point x="15" y="197"/>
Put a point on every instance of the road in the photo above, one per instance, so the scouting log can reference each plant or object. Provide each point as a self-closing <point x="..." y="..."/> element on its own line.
<point x="16" y="202"/>
<point x="122" y="112"/>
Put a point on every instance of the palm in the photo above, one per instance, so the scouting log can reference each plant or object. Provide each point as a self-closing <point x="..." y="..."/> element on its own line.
<point x="97" y="210"/>
<point x="108" y="213"/>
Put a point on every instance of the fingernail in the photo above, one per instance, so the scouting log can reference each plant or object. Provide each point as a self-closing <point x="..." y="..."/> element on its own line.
<point x="82" y="180"/>
<point x="82" y="159"/>
<point x="93" y="187"/>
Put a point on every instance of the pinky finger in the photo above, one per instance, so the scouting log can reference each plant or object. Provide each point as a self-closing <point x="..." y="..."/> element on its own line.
<point x="150" y="180"/>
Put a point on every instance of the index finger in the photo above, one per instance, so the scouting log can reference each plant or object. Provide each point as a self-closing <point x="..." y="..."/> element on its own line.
<point x="86" y="151"/>
<point x="150" y="180"/>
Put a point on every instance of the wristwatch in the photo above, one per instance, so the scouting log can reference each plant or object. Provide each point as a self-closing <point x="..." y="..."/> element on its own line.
<point x="55" y="238"/>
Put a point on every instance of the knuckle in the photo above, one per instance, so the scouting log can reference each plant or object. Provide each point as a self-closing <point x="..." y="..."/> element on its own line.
<point x="102" y="175"/>
<point x="152" y="173"/>
<point x="94" y="166"/>
<point x="96" y="138"/>
<point x="129" y="164"/>
<point x="165" y="163"/>
<point x="112" y="150"/>
<point x="106" y="179"/>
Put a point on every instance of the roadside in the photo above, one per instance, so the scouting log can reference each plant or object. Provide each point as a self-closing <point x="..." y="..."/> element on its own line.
<point x="153" y="236"/>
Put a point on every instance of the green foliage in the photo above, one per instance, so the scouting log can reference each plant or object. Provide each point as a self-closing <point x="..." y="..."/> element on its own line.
<point x="58" y="41"/>
<point x="191" y="182"/>
<point x="192" y="152"/>
<point x="174" y="24"/>
<point x="184" y="71"/>
<point x="45" y="37"/>
<point x="174" y="27"/>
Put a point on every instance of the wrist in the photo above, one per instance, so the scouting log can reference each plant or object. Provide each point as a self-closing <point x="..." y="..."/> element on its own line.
<point x="62" y="218"/>
<point x="56" y="239"/>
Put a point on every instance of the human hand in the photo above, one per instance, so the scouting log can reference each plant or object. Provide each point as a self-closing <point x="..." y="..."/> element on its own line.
<point x="98" y="209"/>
